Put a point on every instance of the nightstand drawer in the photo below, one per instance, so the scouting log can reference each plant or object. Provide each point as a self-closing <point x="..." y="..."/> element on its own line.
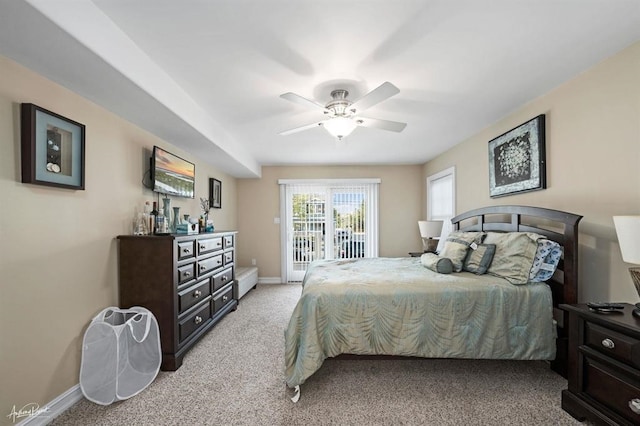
<point x="617" y="390"/>
<point x="613" y="344"/>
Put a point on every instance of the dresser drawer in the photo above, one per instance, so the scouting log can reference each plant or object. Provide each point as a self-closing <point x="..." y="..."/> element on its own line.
<point x="614" y="389"/>
<point x="195" y="321"/>
<point x="613" y="344"/>
<point x="209" y="245"/>
<point x="209" y="264"/>
<point x="222" y="299"/>
<point x="222" y="279"/>
<point x="186" y="273"/>
<point x="228" y="241"/>
<point x="228" y="257"/>
<point x="186" y="249"/>
<point x="193" y="295"/>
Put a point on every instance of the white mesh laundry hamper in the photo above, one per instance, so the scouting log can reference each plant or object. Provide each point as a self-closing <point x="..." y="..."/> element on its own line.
<point x="121" y="354"/>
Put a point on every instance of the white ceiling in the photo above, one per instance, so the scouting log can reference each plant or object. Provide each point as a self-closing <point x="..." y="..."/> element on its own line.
<point x="206" y="75"/>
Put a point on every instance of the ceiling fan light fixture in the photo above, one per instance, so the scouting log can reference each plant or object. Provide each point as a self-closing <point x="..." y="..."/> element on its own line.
<point x="340" y="127"/>
<point x="342" y="115"/>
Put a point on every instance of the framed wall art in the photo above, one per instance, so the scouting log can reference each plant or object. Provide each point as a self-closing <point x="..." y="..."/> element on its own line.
<point x="517" y="159"/>
<point x="215" y="193"/>
<point x="52" y="148"/>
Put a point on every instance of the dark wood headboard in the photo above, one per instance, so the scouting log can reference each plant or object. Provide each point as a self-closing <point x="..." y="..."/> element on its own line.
<point x="556" y="225"/>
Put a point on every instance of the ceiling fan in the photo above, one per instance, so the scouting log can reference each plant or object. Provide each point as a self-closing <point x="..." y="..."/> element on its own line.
<point x="343" y="116"/>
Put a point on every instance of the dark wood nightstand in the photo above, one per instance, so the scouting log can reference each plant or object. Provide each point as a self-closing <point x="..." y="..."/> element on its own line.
<point x="604" y="366"/>
<point x="420" y="253"/>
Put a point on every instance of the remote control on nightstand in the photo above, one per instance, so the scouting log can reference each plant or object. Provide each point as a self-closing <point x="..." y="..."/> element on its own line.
<point x="605" y="306"/>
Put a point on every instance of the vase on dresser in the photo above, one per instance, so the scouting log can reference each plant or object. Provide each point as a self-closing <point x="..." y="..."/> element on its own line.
<point x="166" y="209"/>
<point x="176" y="219"/>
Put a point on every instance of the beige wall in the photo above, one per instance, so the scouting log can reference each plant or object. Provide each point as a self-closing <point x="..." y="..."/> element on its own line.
<point x="259" y="204"/>
<point x="58" y="252"/>
<point x="593" y="163"/>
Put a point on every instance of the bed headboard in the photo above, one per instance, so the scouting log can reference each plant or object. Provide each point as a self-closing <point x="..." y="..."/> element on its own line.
<point x="556" y="225"/>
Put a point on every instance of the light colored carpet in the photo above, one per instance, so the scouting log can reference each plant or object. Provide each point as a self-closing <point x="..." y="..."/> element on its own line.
<point x="234" y="375"/>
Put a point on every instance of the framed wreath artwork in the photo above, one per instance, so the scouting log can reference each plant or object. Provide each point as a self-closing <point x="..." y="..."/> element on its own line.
<point x="517" y="160"/>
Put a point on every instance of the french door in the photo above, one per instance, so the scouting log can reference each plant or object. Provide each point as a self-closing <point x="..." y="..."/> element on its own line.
<point x="327" y="219"/>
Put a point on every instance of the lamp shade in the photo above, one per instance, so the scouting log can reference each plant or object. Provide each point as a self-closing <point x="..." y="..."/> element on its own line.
<point x="430" y="228"/>
<point x="628" y="230"/>
<point x="340" y="127"/>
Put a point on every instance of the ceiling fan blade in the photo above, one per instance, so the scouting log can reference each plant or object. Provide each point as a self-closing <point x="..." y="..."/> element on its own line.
<point x="301" y="128"/>
<point x="393" y="126"/>
<point x="290" y="96"/>
<point x="377" y="95"/>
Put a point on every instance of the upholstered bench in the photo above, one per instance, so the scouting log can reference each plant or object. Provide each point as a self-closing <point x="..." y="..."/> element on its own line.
<point x="247" y="277"/>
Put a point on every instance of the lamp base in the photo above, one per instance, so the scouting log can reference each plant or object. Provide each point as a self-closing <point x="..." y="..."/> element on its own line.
<point x="430" y="245"/>
<point x="635" y="277"/>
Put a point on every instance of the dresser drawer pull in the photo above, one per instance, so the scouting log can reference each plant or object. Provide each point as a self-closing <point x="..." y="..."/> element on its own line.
<point x="197" y="294"/>
<point x="225" y="298"/>
<point x="202" y="247"/>
<point x="634" y="404"/>
<point x="203" y="268"/>
<point x="198" y="319"/>
<point x="608" y="343"/>
<point x="219" y="261"/>
<point x="186" y="250"/>
<point x="219" y="244"/>
<point x="224" y="278"/>
<point x="187" y="274"/>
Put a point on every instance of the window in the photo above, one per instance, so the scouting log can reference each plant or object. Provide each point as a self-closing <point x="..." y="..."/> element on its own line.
<point x="441" y="195"/>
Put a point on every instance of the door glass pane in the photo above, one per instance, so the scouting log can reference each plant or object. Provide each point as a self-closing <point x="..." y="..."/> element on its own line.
<point x="308" y="229"/>
<point x="349" y="223"/>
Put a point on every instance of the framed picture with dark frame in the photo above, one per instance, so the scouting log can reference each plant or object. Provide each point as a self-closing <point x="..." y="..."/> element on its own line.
<point x="52" y="148"/>
<point x="215" y="193"/>
<point x="517" y="159"/>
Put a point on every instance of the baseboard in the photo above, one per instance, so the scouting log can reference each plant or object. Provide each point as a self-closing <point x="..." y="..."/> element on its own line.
<point x="269" y="280"/>
<point x="53" y="409"/>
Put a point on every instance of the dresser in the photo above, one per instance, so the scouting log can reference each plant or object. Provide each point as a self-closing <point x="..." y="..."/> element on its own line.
<point x="186" y="281"/>
<point x="604" y="366"/>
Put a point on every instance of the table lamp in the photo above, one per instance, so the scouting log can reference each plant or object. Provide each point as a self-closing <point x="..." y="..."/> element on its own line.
<point x="430" y="231"/>
<point x="628" y="230"/>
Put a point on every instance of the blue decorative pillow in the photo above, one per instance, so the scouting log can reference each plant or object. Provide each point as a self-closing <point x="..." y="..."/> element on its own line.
<point x="479" y="258"/>
<point x="545" y="261"/>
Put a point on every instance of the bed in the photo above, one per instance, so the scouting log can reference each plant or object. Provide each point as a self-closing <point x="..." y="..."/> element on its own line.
<point x="399" y="307"/>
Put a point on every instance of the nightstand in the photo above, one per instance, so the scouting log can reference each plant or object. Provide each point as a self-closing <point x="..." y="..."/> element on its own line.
<point x="420" y="253"/>
<point x="604" y="366"/>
